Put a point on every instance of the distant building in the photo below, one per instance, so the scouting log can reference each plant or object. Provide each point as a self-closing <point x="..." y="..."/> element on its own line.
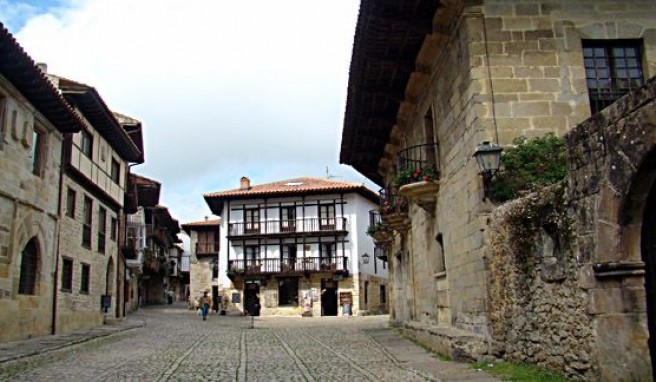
<point x="299" y="245"/>
<point x="34" y="122"/>
<point x="204" y="258"/>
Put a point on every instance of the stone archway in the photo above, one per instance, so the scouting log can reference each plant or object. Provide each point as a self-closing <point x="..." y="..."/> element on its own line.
<point x="648" y="250"/>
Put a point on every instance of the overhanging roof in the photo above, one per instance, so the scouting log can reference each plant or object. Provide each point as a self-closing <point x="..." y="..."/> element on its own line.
<point x="22" y="72"/>
<point x="94" y="109"/>
<point x="388" y="37"/>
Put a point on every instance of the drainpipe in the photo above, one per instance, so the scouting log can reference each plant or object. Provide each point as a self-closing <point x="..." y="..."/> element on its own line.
<point x="121" y="239"/>
<point x="65" y="153"/>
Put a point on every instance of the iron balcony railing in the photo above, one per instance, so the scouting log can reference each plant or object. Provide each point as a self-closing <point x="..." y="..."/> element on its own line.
<point x="300" y="264"/>
<point x="273" y="227"/>
<point x="210" y="248"/>
<point x="417" y="163"/>
<point x="391" y="202"/>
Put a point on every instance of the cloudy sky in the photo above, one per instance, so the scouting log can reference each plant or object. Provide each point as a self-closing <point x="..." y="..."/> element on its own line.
<point x="224" y="88"/>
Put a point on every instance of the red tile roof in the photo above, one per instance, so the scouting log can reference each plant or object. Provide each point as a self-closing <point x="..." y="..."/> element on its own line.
<point x="201" y="224"/>
<point x="288" y="187"/>
<point x="294" y="186"/>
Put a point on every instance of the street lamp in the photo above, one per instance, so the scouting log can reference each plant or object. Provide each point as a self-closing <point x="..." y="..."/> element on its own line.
<point x="365" y="259"/>
<point x="488" y="156"/>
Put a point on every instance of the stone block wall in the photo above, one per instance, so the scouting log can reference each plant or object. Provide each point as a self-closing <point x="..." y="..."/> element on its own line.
<point x="76" y="309"/>
<point x="28" y="209"/>
<point x="500" y="69"/>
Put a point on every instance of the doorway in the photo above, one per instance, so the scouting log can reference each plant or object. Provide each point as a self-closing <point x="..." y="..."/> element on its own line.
<point x="215" y="298"/>
<point x="252" y="298"/>
<point x="648" y="245"/>
<point x="328" y="297"/>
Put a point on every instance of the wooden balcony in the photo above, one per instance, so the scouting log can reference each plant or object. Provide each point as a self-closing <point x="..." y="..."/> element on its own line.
<point x="297" y="227"/>
<point x="207" y="249"/>
<point x="299" y="266"/>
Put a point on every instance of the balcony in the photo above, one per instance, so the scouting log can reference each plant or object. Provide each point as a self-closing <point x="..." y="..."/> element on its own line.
<point x="131" y="247"/>
<point x="299" y="266"/>
<point x="417" y="176"/>
<point x="207" y="249"/>
<point x="394" y="210"/>
<point x="314" y="226"/>
<point x="379" y="230"/>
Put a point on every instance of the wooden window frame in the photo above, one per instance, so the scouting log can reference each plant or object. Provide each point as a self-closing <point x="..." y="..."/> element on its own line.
<point x="87" y="222"/>
<point x="609" y="65"/>
<point x="67" y="274"/>
<point x="102" y="229"/>
<point x="85" y="278"/>
<point x="71" y="197"/>
<point x="86" y="143"/>
<point x="116" y="171"/>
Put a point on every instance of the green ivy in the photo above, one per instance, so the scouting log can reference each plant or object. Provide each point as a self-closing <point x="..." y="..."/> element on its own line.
<point x="529" y="165"/>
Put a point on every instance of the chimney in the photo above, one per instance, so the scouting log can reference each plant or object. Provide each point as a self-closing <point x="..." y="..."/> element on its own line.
<point x="244" y="183"/>
<point x="206" y="218"/>
<point x="43" y="67"/>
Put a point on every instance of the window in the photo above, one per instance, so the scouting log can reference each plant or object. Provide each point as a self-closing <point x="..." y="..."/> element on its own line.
<point x="252" y="220"/>
<point x="252" y="256"/>
<point x="70" y="203"/>
<point x="327" y="254"/>
<point x="327" y="216"/>
<point x="289" y="257"/>
<point x="85" y="273"/>
<point x="366" y="294"/>
<point x="116" y="171"/>
<point x="38" y="152"/>
<point x="288" y="219"/>
<point x="288" y="292"/>
<point x="86" y="143"/>
<point x="114" y="229"/>
<point x="29" y="268"/>
<point x="613" y="68"/>
<point x="102" y="229"/>
<point x="86" y="224"/>
<point x="383" y="294"/>
<point x="67" y="274"/>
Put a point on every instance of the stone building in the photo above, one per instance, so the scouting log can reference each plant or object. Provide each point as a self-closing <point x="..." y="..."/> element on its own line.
<point x="90" y="272"/>
<point x="34" y="121"/>
<point x="299" y="246"/>
<point x="204" y="259"/>
<point x="431" y="80"/>
<point x="142" y="193"/>
<point x="161" y="240"/>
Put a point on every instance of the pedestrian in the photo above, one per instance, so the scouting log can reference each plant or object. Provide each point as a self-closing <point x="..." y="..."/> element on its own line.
<point x="205" y="302"/>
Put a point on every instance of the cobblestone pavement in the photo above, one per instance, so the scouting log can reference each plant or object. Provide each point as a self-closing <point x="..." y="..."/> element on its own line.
<point x="176" y="345"/>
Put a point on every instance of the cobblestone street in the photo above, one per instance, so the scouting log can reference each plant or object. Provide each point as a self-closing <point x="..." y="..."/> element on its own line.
<point x="176" y="345"/>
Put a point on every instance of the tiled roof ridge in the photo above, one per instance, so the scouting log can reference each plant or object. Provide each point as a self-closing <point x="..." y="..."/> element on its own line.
<point x="203" y="222"/>
<point x="265" y="188"/>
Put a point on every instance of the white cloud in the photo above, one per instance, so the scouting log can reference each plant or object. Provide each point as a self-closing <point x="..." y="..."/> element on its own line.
<point x="223" y="88"/>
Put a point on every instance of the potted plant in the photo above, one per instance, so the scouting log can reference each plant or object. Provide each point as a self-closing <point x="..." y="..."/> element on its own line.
<point x="381" y="232"/>
<point x="419" y="172"/>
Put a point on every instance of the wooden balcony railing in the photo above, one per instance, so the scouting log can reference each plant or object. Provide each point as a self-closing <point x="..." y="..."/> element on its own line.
<point x="211" y="248"/>
<point x="300" y="265"/>
<point x="273" y="227"/>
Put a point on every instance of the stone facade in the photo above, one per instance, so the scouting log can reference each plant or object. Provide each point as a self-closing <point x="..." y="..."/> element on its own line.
<point x="28" y="211"/>
<point x="493" y="71"/>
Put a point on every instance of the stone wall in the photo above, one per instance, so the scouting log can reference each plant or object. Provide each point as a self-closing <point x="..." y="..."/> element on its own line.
<point x="76" y="309"/>
<point x="538" y="309"/>
<point x="493" y="70"/>
<point x="28" y="210"/>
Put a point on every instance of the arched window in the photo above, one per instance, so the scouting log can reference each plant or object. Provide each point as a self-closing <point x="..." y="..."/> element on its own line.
<point x="29" y="271"/>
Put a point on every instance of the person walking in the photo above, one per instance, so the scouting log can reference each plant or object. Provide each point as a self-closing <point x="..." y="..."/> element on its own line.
<point x="205" y="302"/>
